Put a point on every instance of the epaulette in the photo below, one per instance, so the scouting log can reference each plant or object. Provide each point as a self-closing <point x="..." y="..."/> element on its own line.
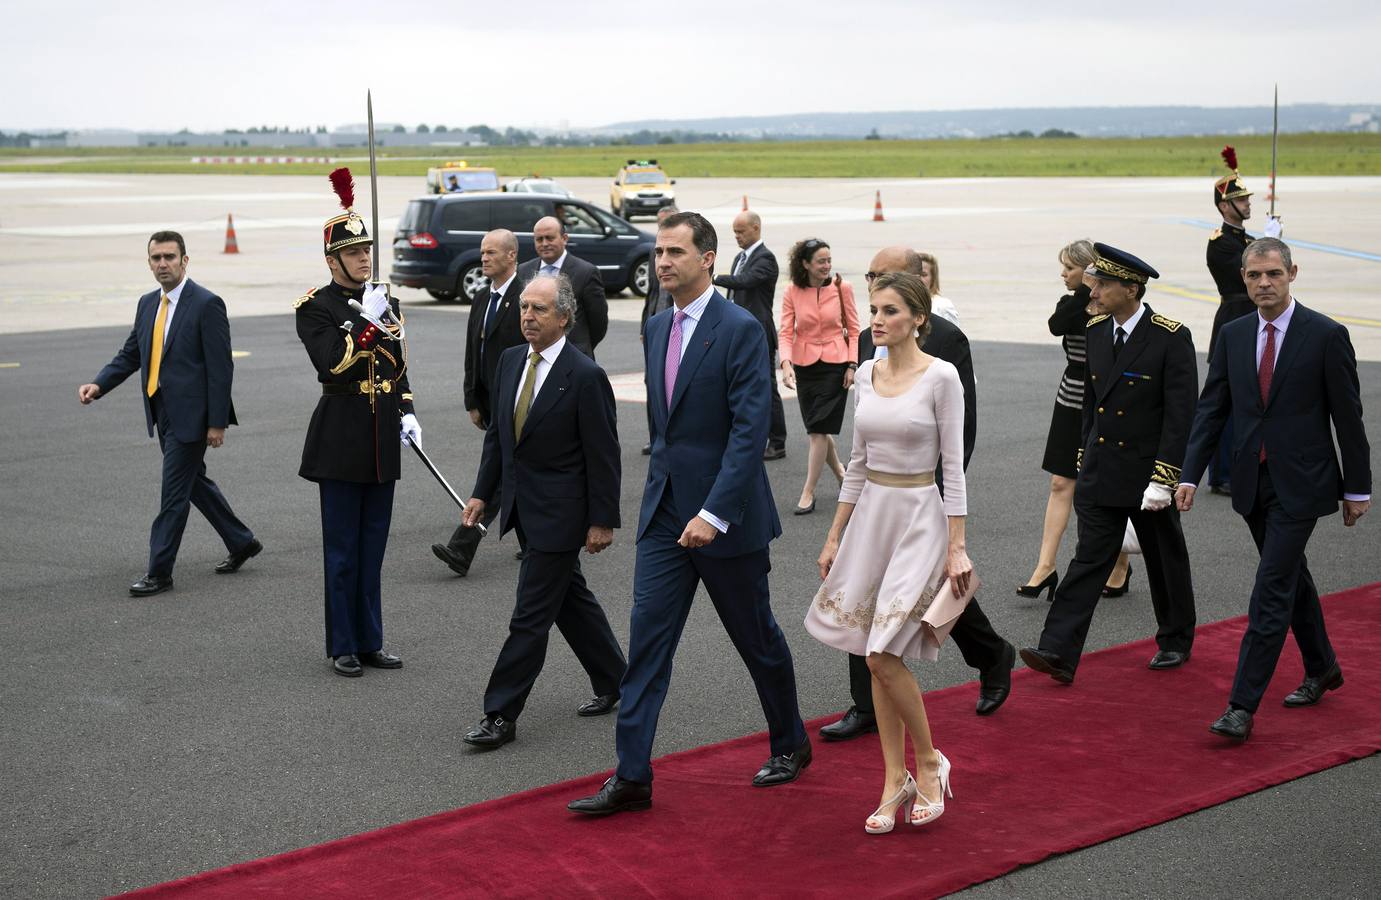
<point x="1095" y="320"/>
<point x="304" y="298"/>
<point x="1217" y="233"/>
<point x="1165" y="322"/>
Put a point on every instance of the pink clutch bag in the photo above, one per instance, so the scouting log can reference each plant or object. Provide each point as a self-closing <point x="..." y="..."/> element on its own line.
<point x="940" y="616"/>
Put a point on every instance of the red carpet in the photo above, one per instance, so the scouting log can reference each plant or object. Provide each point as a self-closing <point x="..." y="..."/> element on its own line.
<point x="1046" y="775"/>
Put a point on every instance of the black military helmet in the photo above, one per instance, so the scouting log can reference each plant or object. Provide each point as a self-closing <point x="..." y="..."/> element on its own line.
<point x="345" y="230"/>
<point x="1229" y="187"/>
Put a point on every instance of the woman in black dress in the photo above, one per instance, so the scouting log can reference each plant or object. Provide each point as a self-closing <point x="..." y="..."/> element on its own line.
<point x="1068" y="322"/>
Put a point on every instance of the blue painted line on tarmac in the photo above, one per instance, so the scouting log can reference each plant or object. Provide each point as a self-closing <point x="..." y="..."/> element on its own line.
<point x="1309" y="245"/>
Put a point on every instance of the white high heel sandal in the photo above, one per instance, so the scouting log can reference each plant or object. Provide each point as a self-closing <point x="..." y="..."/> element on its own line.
<point x="923" y="812"/>
<point x="904" y="797"/>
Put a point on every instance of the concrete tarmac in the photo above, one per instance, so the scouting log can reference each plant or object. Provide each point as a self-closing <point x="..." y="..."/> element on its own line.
<point x="150" y="739"/>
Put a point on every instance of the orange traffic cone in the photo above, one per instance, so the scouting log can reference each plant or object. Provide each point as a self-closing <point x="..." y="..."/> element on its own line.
<point x="231" y="245"/>
<point x="877" y="209"/>
<point x="745" y="203"/>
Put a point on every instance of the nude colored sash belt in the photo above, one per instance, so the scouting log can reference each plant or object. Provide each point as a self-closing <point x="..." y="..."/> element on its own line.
<point x="894" y="479"/>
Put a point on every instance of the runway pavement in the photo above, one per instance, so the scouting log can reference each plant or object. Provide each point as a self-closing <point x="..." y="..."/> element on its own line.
<point x="149" y="739"/>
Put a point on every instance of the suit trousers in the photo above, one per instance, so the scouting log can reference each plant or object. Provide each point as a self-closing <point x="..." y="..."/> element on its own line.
<point x="354" y="534"/>
<point x="1101" y="529"/>
<point x="1284" y="598"/>
<point x="664" y="583"/>
<point x="185" y="485"/>
<point x="973" y="634"/>
<point x="552" y="591"/>
<point x="776" y="430"/>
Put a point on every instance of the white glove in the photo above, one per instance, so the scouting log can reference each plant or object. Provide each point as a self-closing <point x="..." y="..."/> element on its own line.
<point x="411" y="430"/>
<point x="1272" y="229"/>
<point x="1157" y="496"/>
<point x="376" y="301"/>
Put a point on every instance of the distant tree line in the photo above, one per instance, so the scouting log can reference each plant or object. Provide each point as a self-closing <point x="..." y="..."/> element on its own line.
<point x="1048" y="133"/>
<point x="22" y="138"/>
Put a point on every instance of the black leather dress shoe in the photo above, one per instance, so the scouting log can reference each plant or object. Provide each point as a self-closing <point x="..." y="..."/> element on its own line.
<point x="457" y="562"/>
<point x="855" y="723"/>
<point x="1222" y="490"/>
<point x="380" y="659"/>
<point x="491" y="733"/>
<point x="521" y="554"/>
<point x="1312" y="690"/>
<point x="1235" y="724"/>
<point x="996" y="683"/>
<point x="151" y="584"/>
<point x="233" y="562"/>
<point x="784" y="768"/>
<point x="598" y="706"/>
<point x="347" y="665"/>
<point x="1168" y="659"/>
<point x="1048" y="663"/>
<point x="647" y="449"/>
<point x="772" y="453"/>
<point x="617" y="795"/>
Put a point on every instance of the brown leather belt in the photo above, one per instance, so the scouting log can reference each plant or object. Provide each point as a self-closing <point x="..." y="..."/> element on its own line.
<point x="896" y="479"/>
<point x="357" y="387"/>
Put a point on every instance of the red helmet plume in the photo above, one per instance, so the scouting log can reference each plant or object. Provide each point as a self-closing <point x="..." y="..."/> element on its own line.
<point x="1229" y="157"/>
<point x="343" y="183"/>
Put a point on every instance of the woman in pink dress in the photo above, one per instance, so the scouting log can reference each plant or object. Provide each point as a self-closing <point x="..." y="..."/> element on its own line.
<point x="902" y="542"/>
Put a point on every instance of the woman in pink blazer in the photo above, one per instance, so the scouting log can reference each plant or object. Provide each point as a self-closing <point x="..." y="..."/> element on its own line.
<point x="818" y="343"/>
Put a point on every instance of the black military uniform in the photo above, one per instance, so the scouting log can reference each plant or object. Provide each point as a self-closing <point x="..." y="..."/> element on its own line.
<point x="1138" y="405"/>
<point x="1224" y="259"/>
<point x="353" y="451"/>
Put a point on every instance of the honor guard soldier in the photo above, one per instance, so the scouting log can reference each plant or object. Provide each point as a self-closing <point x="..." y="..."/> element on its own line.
<point x="1139" y="398"/>
<point x="354" y="441"/>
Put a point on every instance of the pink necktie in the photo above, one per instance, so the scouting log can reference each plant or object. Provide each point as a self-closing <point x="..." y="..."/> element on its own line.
<point x="673" y="354"/>
<point x="1268" y="368"/>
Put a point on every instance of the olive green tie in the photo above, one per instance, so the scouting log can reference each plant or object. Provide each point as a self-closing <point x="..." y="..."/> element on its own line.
<point x="525" y="396"/>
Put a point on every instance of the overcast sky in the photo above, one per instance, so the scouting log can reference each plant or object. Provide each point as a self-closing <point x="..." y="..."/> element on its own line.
<point x="209" y="66"/>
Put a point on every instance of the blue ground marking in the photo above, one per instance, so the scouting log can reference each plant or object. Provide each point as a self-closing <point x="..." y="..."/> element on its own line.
<point x="1293" y="242"/>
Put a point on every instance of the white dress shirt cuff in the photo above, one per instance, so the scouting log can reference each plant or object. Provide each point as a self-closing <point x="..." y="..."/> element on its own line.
<point x="719" y="524"/>
<point x="1358" y="498"/>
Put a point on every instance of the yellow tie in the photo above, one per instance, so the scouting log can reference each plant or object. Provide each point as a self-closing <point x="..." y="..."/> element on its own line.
<point x="525" y="396"/>
<point x="156" y="354"/>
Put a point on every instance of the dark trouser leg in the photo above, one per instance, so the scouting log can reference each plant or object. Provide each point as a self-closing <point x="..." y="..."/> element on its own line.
<point x="341" y="508"/>
<point x="376" y="513"/>
<point x="860" y="683"/>
<point x="1167" y="573"/>
<point x="978" y="642"/>
<point x="543" y="579"/>
<point x="1283" y="597"/>
<point x="582" y="623"/>
<point x="182" y="464"/>
<point x="738" y="588"/>
<point x="664" y="581"/>
<point x="1100" y="541"/>
<point x="776" y="432"/>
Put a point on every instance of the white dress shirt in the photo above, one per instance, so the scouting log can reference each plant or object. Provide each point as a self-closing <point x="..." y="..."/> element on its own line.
<point x="1130" y="325"/>
<point x="746" y="254"/>
<point x="693" y="312"/>
<point x="544" y="365"/>
<point x="542" y="269"/>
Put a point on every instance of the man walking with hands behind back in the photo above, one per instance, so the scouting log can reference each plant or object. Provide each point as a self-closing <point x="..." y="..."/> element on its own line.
<point x="707" y="515"/>
<point x="180" y="344"/>
<point x="1281" y="376"/>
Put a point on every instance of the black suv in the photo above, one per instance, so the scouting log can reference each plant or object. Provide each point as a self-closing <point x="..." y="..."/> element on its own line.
<point x="437" y="243"/>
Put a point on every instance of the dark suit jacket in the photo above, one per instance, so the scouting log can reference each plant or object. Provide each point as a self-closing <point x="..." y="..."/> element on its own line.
<point x="592" y="307"/>
<point x="196" y="370"/>
<point x="562" y="475"/>
<point x="1138" y="406"/>
<point x="500" y="332"/>
<point x="754" y="287"/>
<point x="655" y="301"/>
<point x="1315" y="380"/>
<point x="708" y="445"/>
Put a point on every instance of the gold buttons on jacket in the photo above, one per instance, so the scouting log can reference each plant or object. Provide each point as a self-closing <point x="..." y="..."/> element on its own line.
<point x="1100" y="440"/>
<point x="1100" y="409"/>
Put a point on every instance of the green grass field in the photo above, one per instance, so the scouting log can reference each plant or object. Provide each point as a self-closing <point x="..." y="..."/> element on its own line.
<point x="1300" y="154"/>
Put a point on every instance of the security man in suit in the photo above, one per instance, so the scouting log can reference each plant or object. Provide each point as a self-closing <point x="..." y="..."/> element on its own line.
<point x="1285" y="375"/>
<point x="1138" y="405"/>
<point x="553" y="445"/>
<point x="492" y="329"/>
<point x="655" y="301"/>
<point x="592" y="307"/>
<point x="752" y="284"/>
<point x="1224" y="258"/>
<point x="979" y="643"/>
<point x="180" y="345"/>
<point x="354" y="442"/>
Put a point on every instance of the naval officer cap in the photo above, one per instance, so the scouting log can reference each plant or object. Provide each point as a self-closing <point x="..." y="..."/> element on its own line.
<point x="1119" y="265"/>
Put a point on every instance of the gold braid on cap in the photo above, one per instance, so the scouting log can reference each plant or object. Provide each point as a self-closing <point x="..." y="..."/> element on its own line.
<point x="1115" y="270"/>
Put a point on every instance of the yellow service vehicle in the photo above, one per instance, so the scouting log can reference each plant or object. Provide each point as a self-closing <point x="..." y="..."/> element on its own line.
<point x="460" y="177"/>
<point x="640" y="189"/>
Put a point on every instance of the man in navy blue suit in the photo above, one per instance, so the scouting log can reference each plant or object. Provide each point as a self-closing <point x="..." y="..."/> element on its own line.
<point x="1281" y="376"/>
<point x="180" y="345"/>
<point x="707" y="514"/>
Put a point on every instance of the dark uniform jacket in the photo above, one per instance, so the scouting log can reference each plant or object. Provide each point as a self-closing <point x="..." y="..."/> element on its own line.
<point x="1138" y="408"/>
<point x="1225" y="265"/>
<point x="354" y="433"/>
<point x="485" y="342"/>
<point x="754" y="288"/>
<point x="591" y="306"/>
